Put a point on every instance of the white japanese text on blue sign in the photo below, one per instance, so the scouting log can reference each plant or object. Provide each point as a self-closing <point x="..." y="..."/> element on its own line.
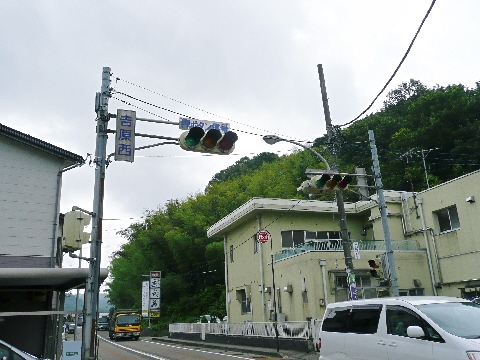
<point x="186" y="124"/>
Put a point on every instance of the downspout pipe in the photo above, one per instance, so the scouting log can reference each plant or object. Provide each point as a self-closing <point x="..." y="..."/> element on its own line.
<point x="227" y="294"/>
<point x="259" y="227"/>
<point x="425" y="236"/>
<point x="323" y="263"/>
<point x="437" y="258"/>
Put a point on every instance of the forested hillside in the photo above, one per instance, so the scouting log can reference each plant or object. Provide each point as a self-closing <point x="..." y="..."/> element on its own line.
<point x="418" y="131"/>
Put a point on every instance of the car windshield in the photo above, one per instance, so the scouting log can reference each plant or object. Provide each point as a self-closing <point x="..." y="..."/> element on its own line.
<point x="458" y="318"/>
<point x="128" y="320"/>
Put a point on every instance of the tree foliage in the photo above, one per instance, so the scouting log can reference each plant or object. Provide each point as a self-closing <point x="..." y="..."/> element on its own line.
<point x="438" y="125"/>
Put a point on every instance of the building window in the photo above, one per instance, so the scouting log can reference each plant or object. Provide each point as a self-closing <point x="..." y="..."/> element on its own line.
<point x="255" y="244"/>
<point x="448" y="219"/>
<point x="242" y="296"/>
<point x="365" y="288"/>
<point x="231" y="253"/>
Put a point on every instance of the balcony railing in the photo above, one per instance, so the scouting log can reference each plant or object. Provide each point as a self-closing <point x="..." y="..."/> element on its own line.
<point x="336" y="245"/>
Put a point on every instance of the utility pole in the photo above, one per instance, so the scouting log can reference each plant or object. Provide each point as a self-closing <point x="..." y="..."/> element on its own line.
<point x="347" y="252"/>
<point x="92" y="288"/>
<point x="383" y="214"/>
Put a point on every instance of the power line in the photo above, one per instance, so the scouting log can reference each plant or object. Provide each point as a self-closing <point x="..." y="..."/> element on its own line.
<point x="199" y="109"/>
<point x="398" y="67"/>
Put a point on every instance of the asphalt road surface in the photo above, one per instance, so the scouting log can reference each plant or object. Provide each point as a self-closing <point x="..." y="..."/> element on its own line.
<point x="147" y="349"/>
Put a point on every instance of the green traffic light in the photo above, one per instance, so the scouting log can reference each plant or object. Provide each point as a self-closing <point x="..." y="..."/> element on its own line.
<point x="320" y="183"/>
<point x="193" y="137"/>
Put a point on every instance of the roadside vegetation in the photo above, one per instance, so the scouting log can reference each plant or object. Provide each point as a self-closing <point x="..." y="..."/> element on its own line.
<point x="439" y="126"/>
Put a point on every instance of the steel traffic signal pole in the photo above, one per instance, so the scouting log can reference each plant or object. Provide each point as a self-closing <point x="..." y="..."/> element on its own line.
<point x="383" y="214"/>
<point x="92" y="288"/>
<point x="347" y="252"/>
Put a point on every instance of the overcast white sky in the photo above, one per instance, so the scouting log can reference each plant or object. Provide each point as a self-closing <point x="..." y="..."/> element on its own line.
<point x="251" y="62"/>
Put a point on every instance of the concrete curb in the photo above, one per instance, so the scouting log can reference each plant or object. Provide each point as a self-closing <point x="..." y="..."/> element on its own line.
<point x="257" y="351"/>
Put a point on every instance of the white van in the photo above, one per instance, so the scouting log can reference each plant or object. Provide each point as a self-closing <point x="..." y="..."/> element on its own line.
<point x="401" y="328"/>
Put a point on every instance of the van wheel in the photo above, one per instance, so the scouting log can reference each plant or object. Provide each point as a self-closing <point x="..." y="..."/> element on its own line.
<point x="137" y="337"/>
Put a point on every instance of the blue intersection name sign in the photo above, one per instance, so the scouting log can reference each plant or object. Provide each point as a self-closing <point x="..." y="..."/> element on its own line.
<point x="187" y="124"/>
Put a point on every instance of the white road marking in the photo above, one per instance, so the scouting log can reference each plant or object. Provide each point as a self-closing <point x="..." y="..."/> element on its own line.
<point x="173" y="346"/>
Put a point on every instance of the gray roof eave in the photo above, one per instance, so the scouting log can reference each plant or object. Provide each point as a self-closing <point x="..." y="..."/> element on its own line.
<point x="40" y="145"/>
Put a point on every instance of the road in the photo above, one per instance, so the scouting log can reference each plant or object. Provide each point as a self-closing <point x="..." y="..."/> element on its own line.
<point x="147" y="349"/>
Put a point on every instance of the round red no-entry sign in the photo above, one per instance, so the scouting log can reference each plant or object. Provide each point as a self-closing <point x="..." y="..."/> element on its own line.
<point x="263" y="236"/>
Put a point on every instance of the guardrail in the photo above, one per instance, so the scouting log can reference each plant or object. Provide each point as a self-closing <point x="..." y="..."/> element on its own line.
<point x="287" y="329"/>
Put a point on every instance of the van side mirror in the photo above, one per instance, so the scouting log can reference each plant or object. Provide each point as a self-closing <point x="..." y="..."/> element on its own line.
<point x="415" y="332"/>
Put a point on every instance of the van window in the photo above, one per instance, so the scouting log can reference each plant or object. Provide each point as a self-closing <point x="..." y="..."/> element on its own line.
<point x="364" y="320"/>
<point x="336" y="320"/>
<point x="400" y="318"/>
<point x="356" y="319"/>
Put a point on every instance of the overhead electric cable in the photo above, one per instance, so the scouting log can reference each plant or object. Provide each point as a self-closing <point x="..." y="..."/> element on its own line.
<point x="199" y="109"/>
<point x="396" y="70"/>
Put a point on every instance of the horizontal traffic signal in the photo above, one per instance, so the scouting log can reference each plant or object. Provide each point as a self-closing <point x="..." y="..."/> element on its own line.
<point x="212" y="141"/>
<point x="325" y="183"/>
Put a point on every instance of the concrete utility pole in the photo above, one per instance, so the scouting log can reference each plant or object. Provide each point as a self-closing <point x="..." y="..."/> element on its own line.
<point x="347" y="252"/>
<point x="92" y="288"/>
<point x="383" y="214"/>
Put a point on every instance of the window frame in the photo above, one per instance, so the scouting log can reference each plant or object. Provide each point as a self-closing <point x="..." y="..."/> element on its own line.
<point x="421" y="323"/>
<point x="449" y="214"/>
<point x="347" y="320"/>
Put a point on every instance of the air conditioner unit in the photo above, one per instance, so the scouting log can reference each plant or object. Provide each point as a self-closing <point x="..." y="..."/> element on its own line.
<point x="267" y="290"/>
<point x="288" y="288"/>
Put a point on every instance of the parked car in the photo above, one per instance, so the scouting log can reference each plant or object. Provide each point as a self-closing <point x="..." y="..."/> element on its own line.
<point x="416" y="327"/>
<point x="71" y="328"/>
<point x="8" y="352"/>
<point x="208" y="319"/>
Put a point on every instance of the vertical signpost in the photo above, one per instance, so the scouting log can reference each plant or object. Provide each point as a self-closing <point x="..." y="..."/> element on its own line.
<point x="154" y="295"/>
<point x="263" y="236"/>
<point x="145" y="296"/>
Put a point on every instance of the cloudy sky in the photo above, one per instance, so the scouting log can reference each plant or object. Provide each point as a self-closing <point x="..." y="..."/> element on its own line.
<point x="250" y="63"/>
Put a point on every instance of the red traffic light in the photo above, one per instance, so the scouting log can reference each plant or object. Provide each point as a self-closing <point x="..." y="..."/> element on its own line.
<point x="342" y="184"/>
<point x="227" y="141"/>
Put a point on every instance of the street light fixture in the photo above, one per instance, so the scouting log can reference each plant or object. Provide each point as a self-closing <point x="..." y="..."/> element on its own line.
<point x="273" y="139"/>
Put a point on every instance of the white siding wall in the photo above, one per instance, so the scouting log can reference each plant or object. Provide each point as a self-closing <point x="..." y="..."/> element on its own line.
<point x="28" y="182"/>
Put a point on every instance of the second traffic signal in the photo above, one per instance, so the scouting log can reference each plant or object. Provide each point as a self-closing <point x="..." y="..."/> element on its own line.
<point x="212" y="141"/>
<point x="325" y="183"/>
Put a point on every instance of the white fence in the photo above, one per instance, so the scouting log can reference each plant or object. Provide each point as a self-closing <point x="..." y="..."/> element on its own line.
<point x="287" y="329"/>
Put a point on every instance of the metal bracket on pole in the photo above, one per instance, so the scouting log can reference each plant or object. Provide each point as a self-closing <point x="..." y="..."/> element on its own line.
<point x="84" y="211"/>
<point x="72" y="255"/>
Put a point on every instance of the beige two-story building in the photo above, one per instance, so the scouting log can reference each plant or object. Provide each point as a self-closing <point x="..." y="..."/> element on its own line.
<point x="433" y="236"/>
